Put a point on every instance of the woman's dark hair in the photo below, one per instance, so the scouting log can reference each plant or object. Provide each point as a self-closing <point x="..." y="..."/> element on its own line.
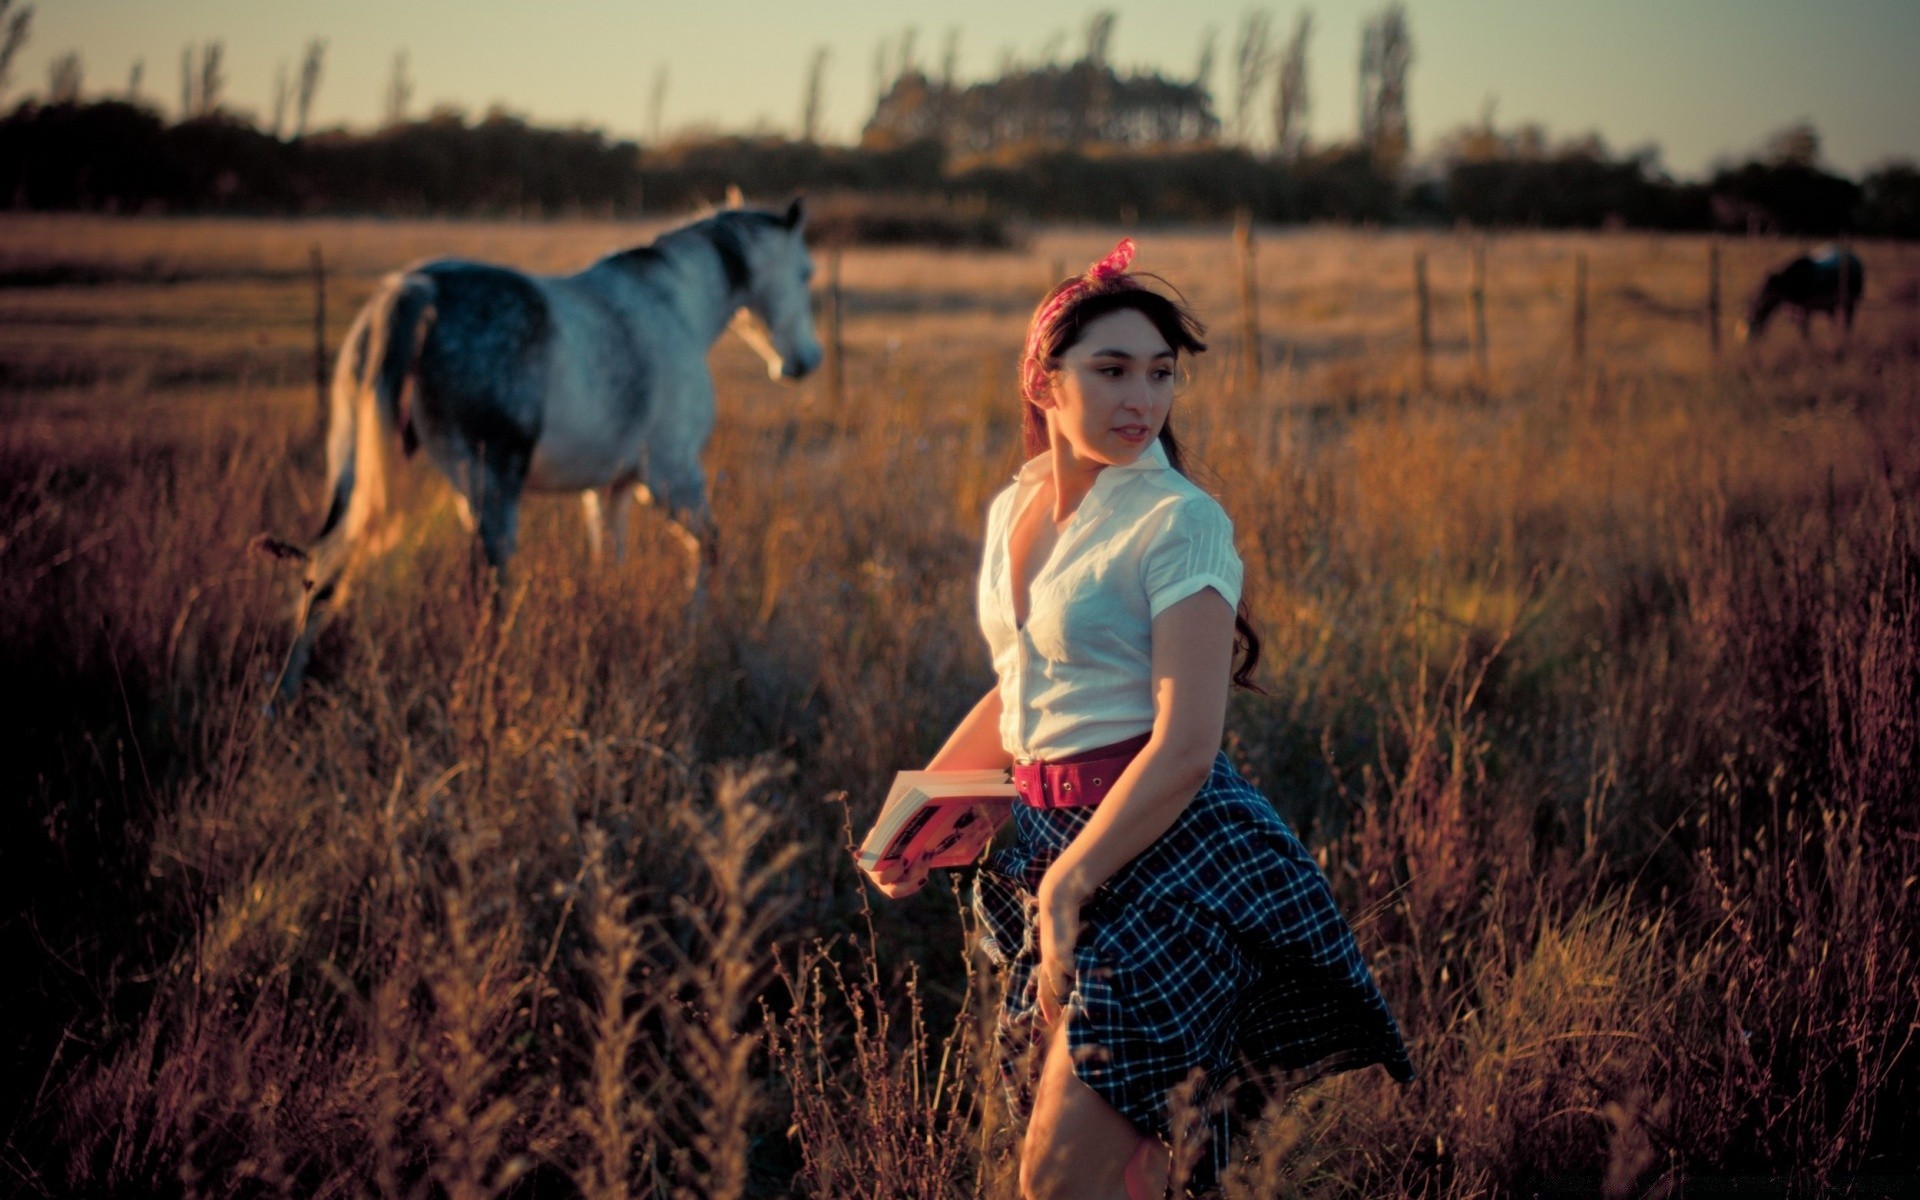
<point x="1182" y="330"/>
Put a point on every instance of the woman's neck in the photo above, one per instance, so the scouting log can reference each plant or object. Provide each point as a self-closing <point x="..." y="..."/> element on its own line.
<point x="1073" y="478"/>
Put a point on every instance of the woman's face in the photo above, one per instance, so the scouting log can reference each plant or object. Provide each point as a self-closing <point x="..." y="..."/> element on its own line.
<point x="1113" y="389"/>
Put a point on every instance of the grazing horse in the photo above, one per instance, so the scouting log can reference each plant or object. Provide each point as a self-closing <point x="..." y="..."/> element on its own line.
<point x="1829" y="280"/>
<point x="595" y="383"/>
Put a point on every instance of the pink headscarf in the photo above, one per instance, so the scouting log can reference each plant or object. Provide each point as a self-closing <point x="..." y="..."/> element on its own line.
<point x="1107" y="275"/>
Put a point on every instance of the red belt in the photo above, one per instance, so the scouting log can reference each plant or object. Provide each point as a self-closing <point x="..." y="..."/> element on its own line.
<point x="1078" y="780"/>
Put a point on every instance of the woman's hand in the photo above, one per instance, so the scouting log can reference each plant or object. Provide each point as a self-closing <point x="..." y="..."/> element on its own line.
<point x="899" y="879"/>
<point x="1059" y="919"/>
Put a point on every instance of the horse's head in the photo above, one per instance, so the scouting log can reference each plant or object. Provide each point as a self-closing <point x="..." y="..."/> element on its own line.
<point x="777" y="317"/>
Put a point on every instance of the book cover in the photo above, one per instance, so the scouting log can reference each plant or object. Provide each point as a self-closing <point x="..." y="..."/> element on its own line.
<point x="941" y="818"/>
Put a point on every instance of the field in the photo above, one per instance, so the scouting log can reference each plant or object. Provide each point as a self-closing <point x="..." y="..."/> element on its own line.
<point x="1594" y="683"/>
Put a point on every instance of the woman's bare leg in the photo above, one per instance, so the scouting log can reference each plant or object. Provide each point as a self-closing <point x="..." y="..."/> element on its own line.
<point x="1077" y="1146"/>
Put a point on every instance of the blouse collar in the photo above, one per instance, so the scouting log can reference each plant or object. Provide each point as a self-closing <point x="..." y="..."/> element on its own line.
<point x="1153" y="458"/>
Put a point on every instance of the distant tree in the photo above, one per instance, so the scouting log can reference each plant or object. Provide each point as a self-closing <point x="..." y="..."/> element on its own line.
<point x="1519" y="177"/>
<point x="1479" y="142"/>
<point x="1890" y="200"/>
<point x="811" y="103"/>
<point x="882" y="62"/>
<point x="1783" y="197"/>
<point x="1783" y="189"/>
<point x="906" y="113"/>
<point x="399" y="89"/>
<point x="950" y="60"/>
<point x="1203" y="69"/>
<point x="134" y="75"/>
<point x="1291" y="103"/>
<point x="1386" y="51"/>
<point x="64" y="79"/>
<point x="946" y="89"/>
<point x="1344" y="183"/>
<point x="1252" y="58"/>
<point x="311" y="64"/>
<point x="1099" y="37"/>
<point x="657" y="104"/>
<point x="1093" y="115"/>
<point x="213" y="78"/>
<point x="202" y="80"/>
<point x="1797" y="145"/>
<point x="1042" y="107"/>
<point x="282" y="98"/>
<point x="909" y="38"/>
<point x="18" y="25"/>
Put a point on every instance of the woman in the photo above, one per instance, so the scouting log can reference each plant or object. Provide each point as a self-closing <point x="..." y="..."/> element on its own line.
<point x="1153" y="916"/>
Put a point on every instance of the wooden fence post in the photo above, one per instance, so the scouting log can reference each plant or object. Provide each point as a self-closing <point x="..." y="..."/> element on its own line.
<point x="1842" y="309"/>
<point x="1580" y="308"/>
<point x="1713" y="295"/>
<point x="320" y="333"/>
<point x="1424" y="303"/>
<point x="1249" y="300"/>
<point x="837" y="378"/>
<point x="1478" y="294"/>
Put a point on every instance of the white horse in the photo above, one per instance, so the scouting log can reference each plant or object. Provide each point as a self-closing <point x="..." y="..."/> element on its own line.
<point x="594" y="383"/>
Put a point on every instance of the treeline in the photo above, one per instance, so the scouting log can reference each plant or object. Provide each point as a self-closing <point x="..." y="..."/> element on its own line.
<point x="1518" y="178"/>
<point x="115" y="156"/>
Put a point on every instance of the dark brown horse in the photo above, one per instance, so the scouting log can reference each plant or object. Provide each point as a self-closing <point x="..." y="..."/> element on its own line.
<point x="1828" y="281"/>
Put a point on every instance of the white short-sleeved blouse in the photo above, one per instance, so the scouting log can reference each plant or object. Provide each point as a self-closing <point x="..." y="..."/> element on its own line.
<point x="1079" y="675"/>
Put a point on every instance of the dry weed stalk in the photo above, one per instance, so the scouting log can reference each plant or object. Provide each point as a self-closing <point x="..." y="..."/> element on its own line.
<point x="472" y="978"/>
<point x="879" y="1111"/>
<point x="1272" y="1164"/>
<point x="1187" y="1114"/>
<point x="730" y="921"/>
<point x="617" y="1123"/>
<point x="392" y="1107"/>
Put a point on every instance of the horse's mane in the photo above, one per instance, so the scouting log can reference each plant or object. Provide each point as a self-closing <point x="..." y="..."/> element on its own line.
<point x="709" y="225"/>
<point x="715" y="218"/>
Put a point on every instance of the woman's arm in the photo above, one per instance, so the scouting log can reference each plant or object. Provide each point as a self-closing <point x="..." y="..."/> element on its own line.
<point x="1192" y="657"/>
<point x="974" y="744"/>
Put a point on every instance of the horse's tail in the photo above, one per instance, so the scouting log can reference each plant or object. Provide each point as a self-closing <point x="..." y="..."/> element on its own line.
<point x="371" y="402"/>
<point x="369" y="410"/>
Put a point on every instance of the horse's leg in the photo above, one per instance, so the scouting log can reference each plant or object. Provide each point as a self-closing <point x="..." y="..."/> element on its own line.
<point x="502" y="477"/>
<point x="620" y="501"/>
<point x="686" y="505"/>
<point x="590" y="511"/>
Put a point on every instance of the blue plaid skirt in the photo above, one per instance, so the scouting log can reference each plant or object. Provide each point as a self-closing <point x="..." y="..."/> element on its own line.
<point x="1217" y="950"/>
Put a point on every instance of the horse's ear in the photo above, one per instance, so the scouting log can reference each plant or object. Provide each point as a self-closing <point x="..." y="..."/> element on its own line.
<point x="796" y="212"/>
<point x="734" y="198"/>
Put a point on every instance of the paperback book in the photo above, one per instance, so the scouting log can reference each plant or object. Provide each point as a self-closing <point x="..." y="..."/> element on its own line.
<point x="940" y="818"/>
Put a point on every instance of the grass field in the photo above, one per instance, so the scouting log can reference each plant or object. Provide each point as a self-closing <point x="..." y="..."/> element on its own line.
<point x="1595" y="685"/>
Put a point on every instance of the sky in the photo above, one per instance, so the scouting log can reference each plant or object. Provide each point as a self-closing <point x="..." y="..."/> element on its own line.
<point x="1704" y="80"/>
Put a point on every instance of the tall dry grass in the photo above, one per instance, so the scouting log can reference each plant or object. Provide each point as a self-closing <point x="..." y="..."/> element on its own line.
<point x="1594" y="691"/>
